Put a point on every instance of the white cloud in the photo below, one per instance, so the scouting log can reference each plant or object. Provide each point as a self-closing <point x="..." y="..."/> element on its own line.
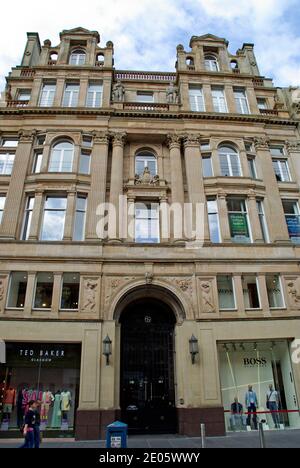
<point x="146" y="32"/>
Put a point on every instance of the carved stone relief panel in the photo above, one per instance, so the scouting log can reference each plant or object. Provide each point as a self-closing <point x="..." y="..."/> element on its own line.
<point x="207" y="296"/>
<point x="292" y="284"/>
<point x="3" y="289"/>
<point x="90" y="296"/>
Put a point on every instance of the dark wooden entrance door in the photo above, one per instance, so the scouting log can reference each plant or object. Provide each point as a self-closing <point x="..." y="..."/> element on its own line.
<point x="147" y="368"/>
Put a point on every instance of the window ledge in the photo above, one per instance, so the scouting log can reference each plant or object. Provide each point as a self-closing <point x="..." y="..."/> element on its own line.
<point x="228" y="310"/>
<point x="68" y="310"/>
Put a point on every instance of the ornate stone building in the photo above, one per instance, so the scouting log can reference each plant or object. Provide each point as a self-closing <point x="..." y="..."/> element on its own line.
<point x="147" y="325"/>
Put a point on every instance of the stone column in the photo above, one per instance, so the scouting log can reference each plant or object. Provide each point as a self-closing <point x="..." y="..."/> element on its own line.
<point x="106" y="96"/>
<point x="57" y="279"/>
<point x="63" y="56"/>
<point x="184" y="95"/>
<point x="116" y="185"/>
<point x="84" y="82"/>
<point x="70" y="215"/>
<point x="263" y="294"/>
<point x="215" y="157"/>
<point x="60" y="86"/>
<point x="164" y="227"/>
<point x="223" y="60"/>
<point x="239" y="296"/>
<point x="30" y="292"/>
<point x="174" y="142"/>
<point x="35" y="93"/>
<point x="97" y="195"/>
<point x="223" y="217"/>
<point x="230" y="99"/>
<point x="244" y="163"/>
<point x="194" y="175"/>
<point x="252" y="100"/>
<point x="131" y="219"/>
<point x="274" y="210"/>
<point x="209" y="107"/>
<point x="15" y="192"/>
<point x="36" y="215"/>
<point x="46" y="154"/>
<point x="293" y="148"/>
<point x="91" y="51"/>
<point x="257" y="234"/>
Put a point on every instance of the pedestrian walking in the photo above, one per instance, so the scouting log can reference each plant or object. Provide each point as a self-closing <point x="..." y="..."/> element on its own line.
<point x="36" y="429"/>
<point x="28" y="430"/>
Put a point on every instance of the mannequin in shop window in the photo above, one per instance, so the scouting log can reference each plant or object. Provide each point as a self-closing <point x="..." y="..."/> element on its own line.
<point x="9" y="402"/>
<point x="237" y="418"/>
<point x="252" y="405"/>
<point x="56" y="414"/>
<point x="273" y="405"/>
<point x="46" y="401"/>
<point x="65" y="402"/>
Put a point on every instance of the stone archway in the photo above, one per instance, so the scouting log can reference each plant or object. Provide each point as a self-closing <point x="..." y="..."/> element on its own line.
<point x="154" y="291"/>
<point x="147" y="316"/>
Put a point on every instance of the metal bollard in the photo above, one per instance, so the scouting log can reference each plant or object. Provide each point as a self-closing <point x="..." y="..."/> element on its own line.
<point x="262" y="439"/>
<point x="203" y="439"/>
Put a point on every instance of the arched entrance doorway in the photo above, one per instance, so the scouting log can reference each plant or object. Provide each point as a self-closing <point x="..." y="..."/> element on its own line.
<point x="147" y="385"/>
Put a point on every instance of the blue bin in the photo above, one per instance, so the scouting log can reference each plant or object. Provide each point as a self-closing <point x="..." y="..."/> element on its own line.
<point x="116" y="435"/>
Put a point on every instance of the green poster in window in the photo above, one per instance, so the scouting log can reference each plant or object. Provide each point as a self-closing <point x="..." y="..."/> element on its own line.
<point x="239" y="226"/>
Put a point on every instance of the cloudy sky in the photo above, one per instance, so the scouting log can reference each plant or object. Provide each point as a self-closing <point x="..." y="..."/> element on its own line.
<point x="146" y="32"/>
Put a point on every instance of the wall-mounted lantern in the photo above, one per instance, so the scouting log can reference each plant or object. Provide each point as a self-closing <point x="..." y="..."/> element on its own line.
<point x="107" y="348"/>
<point x="194" y="348"/>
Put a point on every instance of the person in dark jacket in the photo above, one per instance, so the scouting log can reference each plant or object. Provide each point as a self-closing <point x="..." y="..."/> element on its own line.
<point x="28" y="430"/>
<point x="37" y="433"/>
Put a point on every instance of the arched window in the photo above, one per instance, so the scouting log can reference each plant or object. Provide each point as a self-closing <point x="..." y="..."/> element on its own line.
<point x="53" y="57"/>
<point x="211" y="63"/>
<point x="145" y="159"/>
<point x="234" y="65"/>
<point x="190" y="62"/>
<point x="62" y="155"/>
<point x="77" y="57"/>
<point x="100" y="58"/>
<point x="229" y="161"/>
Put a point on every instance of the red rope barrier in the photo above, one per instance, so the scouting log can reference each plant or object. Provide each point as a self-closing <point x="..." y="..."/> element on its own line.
<point x="268" y="412"/>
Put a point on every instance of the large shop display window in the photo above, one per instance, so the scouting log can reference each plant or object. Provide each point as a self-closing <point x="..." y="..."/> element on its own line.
<point x="257" y="385"/>
<point x="46" y="372"/>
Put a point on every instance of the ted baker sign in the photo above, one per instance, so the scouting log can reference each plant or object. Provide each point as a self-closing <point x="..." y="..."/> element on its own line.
<point x="42" y="354"/>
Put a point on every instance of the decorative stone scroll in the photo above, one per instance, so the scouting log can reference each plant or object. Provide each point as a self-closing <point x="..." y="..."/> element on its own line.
<point x="114" y="284"/>
<point x="261" y="142"/>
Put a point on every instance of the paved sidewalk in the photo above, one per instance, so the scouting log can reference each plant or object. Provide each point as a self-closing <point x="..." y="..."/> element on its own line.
<point x="278" y="439"/>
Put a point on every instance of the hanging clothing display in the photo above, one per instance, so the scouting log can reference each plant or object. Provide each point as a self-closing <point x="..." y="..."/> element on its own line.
<point x="47" y="399"/>
<point x="66" y="401"/>
<point x="56" y="414"/>
<point x="10" y="396"/>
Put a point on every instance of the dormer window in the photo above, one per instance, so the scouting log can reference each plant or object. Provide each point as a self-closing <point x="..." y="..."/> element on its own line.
<point x="211" y="63"/>
<point x="77" y="57"/>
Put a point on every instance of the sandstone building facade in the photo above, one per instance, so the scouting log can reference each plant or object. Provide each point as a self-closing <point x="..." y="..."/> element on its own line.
<point x="147" y="326"/>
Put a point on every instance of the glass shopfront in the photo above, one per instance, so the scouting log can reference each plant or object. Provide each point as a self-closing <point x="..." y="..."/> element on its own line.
<point x="40" y="371"/>
<point x="257" y="385"/>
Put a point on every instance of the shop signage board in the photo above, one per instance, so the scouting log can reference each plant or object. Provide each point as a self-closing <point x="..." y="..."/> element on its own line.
<point x="239" y="226"/>
<point x="293" y="224"/>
